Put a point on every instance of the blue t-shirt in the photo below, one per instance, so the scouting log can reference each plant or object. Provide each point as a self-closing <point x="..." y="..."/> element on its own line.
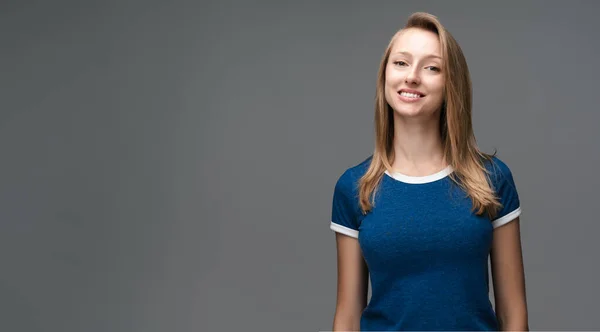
<point x="427" y="253"/>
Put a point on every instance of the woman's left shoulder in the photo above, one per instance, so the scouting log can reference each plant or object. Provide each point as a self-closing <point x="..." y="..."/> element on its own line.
<point x="497" y="166"/>
<point x="499" y="172"/>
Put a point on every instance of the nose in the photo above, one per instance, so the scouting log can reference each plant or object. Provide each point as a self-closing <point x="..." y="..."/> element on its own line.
<point x="412" y="76"/>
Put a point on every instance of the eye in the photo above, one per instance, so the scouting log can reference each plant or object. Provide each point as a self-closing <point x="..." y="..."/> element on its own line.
<point x="433" y="68"/>
<point x="401" y="63"/>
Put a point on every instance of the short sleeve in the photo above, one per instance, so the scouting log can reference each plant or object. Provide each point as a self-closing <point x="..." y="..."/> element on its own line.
<point x="505" y="188"/>
<point x="344" y="211"/>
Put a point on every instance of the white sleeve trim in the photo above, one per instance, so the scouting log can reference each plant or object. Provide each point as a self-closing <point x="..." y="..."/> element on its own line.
<point x="507" y="218"/>
<point x="344" y="230"/>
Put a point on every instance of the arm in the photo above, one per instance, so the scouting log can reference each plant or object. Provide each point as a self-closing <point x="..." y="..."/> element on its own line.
<point x="509" y="277"/>
<point x="352" y="284"/>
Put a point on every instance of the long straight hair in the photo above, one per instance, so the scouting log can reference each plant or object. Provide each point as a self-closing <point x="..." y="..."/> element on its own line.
<point x="456" y="128"/>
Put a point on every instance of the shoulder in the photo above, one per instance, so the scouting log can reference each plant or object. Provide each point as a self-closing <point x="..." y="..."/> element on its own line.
<point x="498" y="169"/>
<point x="506" y="191"/>
<point x="348" y="180"/>
<point x="501" y="176"/>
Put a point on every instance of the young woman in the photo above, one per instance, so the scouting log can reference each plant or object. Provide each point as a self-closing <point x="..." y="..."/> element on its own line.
<point x="423" y="213"/>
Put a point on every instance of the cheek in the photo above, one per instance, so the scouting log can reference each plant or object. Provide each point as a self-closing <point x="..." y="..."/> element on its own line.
<point x="388" y="92"/>
<point x="440" y="91"/>
<point x="392" y="82"/>
<point x="389" y="86"/>
<point x="392" y="76"/>
<point x="440" y="85"/>
<point x="439" y="96"/>
<point x="437" y="88"/>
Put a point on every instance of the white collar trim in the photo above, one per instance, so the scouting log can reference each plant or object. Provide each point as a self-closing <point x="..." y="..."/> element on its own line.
<point x="421" y="179"/>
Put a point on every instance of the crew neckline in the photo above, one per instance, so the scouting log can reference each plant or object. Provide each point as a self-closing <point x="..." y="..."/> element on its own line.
<point x="421" y="179"/>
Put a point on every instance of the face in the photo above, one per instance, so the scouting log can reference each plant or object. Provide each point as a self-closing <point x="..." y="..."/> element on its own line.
<point x="414" y="84"/>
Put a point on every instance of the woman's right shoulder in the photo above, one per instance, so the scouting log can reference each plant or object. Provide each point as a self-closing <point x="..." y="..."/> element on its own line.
<point x="351" y="175"/>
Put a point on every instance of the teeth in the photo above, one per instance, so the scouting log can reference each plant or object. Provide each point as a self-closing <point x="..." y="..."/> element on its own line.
<point x="409" y="95"/>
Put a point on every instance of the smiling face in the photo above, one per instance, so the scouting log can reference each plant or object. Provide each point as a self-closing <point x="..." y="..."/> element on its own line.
<point x="414" y="82"/>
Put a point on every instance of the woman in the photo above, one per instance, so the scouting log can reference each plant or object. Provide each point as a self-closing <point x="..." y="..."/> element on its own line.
<point x="423" y="213"/>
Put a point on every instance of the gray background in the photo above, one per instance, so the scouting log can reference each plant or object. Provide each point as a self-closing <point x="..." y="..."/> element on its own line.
<point x="169" y="165"/>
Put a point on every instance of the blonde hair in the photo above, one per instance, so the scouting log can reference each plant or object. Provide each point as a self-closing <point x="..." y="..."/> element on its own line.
<point x="458" y="140"/>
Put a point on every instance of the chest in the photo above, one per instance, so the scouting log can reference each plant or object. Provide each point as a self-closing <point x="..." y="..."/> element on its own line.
<point x="412" y="226"/>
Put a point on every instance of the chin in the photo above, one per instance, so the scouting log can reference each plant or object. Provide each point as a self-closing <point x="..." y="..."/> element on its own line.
<point x="408" y="111"/>
<point x="412" y="113"/>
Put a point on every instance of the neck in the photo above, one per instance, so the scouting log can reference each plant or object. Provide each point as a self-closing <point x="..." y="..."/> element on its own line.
<point x="418" y="146"/>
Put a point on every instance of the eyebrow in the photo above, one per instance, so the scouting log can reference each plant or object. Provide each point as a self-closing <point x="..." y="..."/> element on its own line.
<point x="427" y="56"/>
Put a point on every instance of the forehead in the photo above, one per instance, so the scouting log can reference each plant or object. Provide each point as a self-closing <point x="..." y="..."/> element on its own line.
<point x="418" y="42"/>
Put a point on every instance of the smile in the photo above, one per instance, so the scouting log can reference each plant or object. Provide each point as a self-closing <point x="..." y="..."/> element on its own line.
<point x="410" y="95"/>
